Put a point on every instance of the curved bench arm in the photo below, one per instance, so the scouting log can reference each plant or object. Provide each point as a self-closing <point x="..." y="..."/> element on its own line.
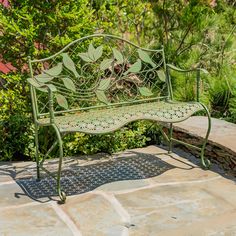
<point x="197" y="70"/>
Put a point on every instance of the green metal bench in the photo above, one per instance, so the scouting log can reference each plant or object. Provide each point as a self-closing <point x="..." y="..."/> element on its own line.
<point x="98" y="84"/>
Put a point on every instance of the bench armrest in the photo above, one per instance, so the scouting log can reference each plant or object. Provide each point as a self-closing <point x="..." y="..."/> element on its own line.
<point x="197" y="70"/>
<point x="50" y="89"/>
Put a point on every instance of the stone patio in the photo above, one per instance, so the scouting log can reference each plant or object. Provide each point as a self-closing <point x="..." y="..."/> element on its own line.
<point x="181" y="200"/>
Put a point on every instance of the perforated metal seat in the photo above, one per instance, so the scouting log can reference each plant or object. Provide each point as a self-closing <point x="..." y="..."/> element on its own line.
<point x="114" y="118"/>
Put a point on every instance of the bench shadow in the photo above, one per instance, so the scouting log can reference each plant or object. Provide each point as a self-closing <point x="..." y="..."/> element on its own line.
<point x="10" y="170"/>
<point x="77" y="179"/>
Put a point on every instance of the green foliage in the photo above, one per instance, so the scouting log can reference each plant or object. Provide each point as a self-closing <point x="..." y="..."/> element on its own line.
<point x="15" y="123"/>
<point x="194" y="34"/>
<point x="47" y="25"/>
<point x="200" y="34"/>
<point x="36" y="29"/>
<point x="232" y="109"/>
<point x="185" y="87"/>
<point x="15" y="138"/>
<point x="131" y="136"/>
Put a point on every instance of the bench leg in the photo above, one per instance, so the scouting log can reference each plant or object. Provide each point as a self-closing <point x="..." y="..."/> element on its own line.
<point x="61" y="193"/>
<point x="170" y="138"/>
<point x="37" y="151"/>
<point x="206" y="162"/>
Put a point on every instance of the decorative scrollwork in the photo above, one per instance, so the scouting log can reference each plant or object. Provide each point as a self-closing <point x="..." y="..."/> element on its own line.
<point x="107" y="73"/>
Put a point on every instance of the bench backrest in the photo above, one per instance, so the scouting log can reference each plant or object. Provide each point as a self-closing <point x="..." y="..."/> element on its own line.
<point x="98" y="71"/>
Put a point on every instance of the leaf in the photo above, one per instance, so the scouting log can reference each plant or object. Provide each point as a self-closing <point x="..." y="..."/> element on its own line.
<point x="52" y="87"/>
<point x="204" y="71"/>
<point x="162" y="76"/>
<point x="33" y="82"/>
<point x="136" y="67"/>
<point x="42" y="87"/>
<point x="54" y="71"/>
<point x="174" y="67"/>
<point x="69" y="64"/>
<point x="43" y="78"/>
<point x="105" y="64"/>
<point x="69" y="84"/>
<point x="104" y="84"/>
<point x="145" y="91"/>
<point x="44" y="90"/>
<point x="101" y="96"/>
<point x="91" y="51"/>
<point x="98" y="53"/>
<point x="118" y="56"/>
<point x="61" y="100"/>
<point x="85" y="57"/>
<point x="178" y="69"/>
<point x="145" y="57"/>
<point x="93" y="54"/>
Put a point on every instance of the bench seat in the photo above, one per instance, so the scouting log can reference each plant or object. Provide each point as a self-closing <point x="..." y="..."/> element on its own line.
<point x="107" y="120"/>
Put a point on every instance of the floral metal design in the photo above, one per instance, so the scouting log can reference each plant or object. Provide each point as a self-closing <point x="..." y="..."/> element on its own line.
<point x="110" y="77"/>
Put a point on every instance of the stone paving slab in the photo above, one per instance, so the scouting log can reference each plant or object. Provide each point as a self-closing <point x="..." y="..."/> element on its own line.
<point x="93" y="214"/>
<point x="123" y="185"/>
<point x="183" y="200"/>
<point x="11" y="194"/>
<point x="6" y="172"/>
<point x="5" y="178"/>
<point x="221" y="225"/>
<point x="31" y="220"/>
<point x="181" y="174"/>
<point x="224" y="189"/>
<point x="160" y="209"/>
<point x="9" y="171"/>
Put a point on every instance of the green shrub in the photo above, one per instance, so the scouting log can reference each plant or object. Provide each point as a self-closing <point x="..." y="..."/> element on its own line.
<point x="15" y="138"/>
<point x="15" y="124"/>
<point x="191" y="31"/>
<point x="232" y="109"/>
<point x="131" y="136"/>
<point x="38" y="29"/>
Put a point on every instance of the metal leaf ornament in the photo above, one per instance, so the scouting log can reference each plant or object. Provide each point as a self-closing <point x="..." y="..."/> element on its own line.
<point x="69" y="64"/>
<point x="146" y="92"/>
<point x="136" y="67"/>
<point x="145" y="57"/>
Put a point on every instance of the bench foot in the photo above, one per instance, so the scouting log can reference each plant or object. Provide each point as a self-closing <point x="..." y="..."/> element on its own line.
<point x="38" y="179"/>
<point x="206" y="164"/>
<point x="62" y="196"/>
<point x="38" y="174"/>
<point x="170" y="138"/>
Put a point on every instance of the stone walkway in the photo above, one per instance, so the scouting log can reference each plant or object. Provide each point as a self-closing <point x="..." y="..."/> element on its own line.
<point x="184" y="200"/>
